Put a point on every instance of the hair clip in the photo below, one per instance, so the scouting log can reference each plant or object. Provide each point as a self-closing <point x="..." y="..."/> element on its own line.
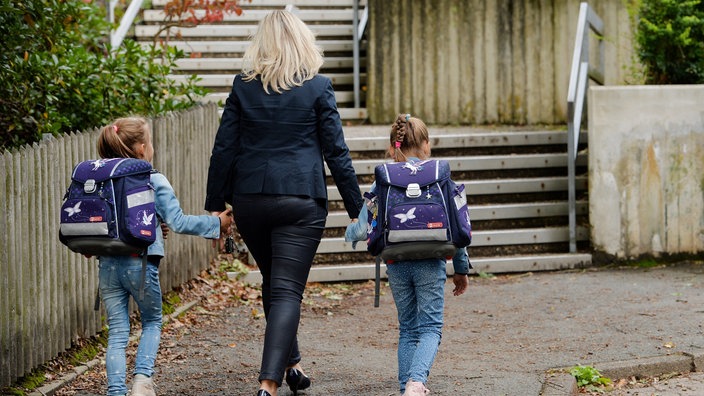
<point x="397" y="144"/>
<point x="115" y="128"/>
<point x="408" y="117"/>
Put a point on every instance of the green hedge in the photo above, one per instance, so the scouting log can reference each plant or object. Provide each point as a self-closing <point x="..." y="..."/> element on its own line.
<point x="670" y="38"/>
<point x="58" y="73"/>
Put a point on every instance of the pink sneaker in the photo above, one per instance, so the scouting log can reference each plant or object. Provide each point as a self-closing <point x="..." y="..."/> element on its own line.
<point x="414" y="388"/>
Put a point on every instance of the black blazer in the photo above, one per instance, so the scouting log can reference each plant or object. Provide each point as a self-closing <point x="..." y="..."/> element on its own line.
<point x="275" y="144"/>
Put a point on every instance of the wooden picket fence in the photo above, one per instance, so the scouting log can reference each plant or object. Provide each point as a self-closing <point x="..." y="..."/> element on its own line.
<point x="47" y="292"/>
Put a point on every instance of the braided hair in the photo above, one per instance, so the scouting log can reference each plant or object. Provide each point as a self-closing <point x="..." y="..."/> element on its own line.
<point x="408" y="135"/>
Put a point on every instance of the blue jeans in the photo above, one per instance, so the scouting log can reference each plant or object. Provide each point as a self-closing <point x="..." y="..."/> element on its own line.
<point x="418" y="289"/>
<point x="120" y="278"/>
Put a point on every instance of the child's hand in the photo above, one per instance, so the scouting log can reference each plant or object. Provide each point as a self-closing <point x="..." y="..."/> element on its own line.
<point x="461" y="282"/>
<point x="355" y="232"/>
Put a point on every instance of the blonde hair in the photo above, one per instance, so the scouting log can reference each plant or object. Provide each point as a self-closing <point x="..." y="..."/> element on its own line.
<point x="283" y="53"/>
<point x="408" y="136"/>
<point x="118" y="139"/>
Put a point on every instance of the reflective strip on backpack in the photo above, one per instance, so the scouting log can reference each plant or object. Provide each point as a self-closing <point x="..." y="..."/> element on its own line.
<point x="140" y="198"/>
<point x="435" y="234"/>
<point x="84" y="228"/>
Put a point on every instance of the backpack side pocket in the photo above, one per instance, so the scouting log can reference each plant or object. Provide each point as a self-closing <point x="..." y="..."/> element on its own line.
<point x="374" y="224"/>
<point x="462" y="227"/>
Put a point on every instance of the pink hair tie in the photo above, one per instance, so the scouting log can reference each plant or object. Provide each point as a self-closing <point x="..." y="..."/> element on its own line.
<point x="115" y="128"/>
<point x="397" y="144"/>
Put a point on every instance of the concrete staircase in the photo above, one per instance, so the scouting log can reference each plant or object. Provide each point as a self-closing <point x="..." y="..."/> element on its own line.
<point x="517" y="191"/>
<point x="215" y="49"/>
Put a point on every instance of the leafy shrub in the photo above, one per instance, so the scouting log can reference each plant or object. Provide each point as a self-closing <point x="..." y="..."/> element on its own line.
<point x="670" y="39"/>
<point x="58" y="73"/>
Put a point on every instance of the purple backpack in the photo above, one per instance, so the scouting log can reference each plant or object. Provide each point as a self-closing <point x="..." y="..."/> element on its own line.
<point x="417" y="212"/>
<point x="109" y="208"/>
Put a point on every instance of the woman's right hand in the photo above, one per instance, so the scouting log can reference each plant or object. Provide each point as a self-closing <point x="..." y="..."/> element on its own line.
<point x="225" y="221"/>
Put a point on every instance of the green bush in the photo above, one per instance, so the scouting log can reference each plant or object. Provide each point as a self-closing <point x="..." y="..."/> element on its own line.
<point x="670" y="40"/>
<point x="58" y="73"/>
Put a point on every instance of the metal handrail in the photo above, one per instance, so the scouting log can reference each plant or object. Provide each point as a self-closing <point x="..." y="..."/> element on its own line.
<point x="580" y="74"/>
<point x="358" y="27"/>
<point x="118" y="35"/>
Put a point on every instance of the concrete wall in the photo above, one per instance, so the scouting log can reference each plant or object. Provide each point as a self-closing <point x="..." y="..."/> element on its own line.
<point x="646" y="169"/>
<point x="483" y="61"/>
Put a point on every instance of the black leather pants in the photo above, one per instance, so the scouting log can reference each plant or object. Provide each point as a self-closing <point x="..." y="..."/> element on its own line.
<point x="283" y="234"/>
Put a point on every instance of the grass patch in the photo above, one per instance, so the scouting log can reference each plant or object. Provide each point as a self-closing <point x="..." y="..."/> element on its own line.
<point x="88" y="349"/>
<point x="81" y="352"/>
<point x="486" y="275"/>
<point x="646" y="263"/>
<point x="169" y="302"/>
<point x="27" y="383"/>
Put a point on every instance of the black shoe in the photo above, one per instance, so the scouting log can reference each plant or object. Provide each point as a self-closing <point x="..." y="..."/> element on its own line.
<point x="262" y="392"/>
<point x="296" y="380"/>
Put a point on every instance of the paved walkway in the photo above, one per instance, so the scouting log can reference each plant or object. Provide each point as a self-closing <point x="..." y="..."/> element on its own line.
<point x="504" y="337"/>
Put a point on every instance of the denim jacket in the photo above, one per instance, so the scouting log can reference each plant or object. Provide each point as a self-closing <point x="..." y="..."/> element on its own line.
<point x="357" y="232"/>
<point x="169" y="211"/>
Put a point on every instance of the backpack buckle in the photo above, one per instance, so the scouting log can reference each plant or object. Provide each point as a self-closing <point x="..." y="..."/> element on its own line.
<point x="89" y="186"/>
<point x="413" y="190"/>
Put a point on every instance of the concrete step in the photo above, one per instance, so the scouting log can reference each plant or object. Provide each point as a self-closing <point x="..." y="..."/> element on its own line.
<point x="500" y="186"/>
<point x="376" y="137"/>
<point x="479" y="238"/>
<point x="239" y="46"/>
<point x="487" y="162"/>
<point x="231" y="32"/>
<point x="235" y="64"/>
<point x="225" y="80"/>
<point x="489" y="265"/>
<point x="256" y="15"/>
<point x="339" y="219"/>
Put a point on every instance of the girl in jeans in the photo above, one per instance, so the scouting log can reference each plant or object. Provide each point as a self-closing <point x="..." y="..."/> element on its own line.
<point x="121" y="276"/>
<point x="416" y="285"/>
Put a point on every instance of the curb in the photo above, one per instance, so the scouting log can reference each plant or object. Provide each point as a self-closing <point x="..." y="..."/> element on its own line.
<point x="557" y="382"/>
<point x="51" y="388"/>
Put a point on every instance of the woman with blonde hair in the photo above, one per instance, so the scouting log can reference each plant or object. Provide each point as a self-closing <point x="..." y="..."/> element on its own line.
<point x="279" y="124"/>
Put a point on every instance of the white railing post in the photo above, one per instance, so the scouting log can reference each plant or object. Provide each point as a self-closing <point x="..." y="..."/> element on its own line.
<point x="355" y="52"/>
<point x="119" y="34"/>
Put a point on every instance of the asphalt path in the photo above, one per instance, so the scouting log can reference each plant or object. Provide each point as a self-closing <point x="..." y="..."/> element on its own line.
<point x="508" y="335"/>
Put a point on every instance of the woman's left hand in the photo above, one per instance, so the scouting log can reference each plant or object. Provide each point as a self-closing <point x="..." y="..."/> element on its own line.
<point x="165" y="230"/>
